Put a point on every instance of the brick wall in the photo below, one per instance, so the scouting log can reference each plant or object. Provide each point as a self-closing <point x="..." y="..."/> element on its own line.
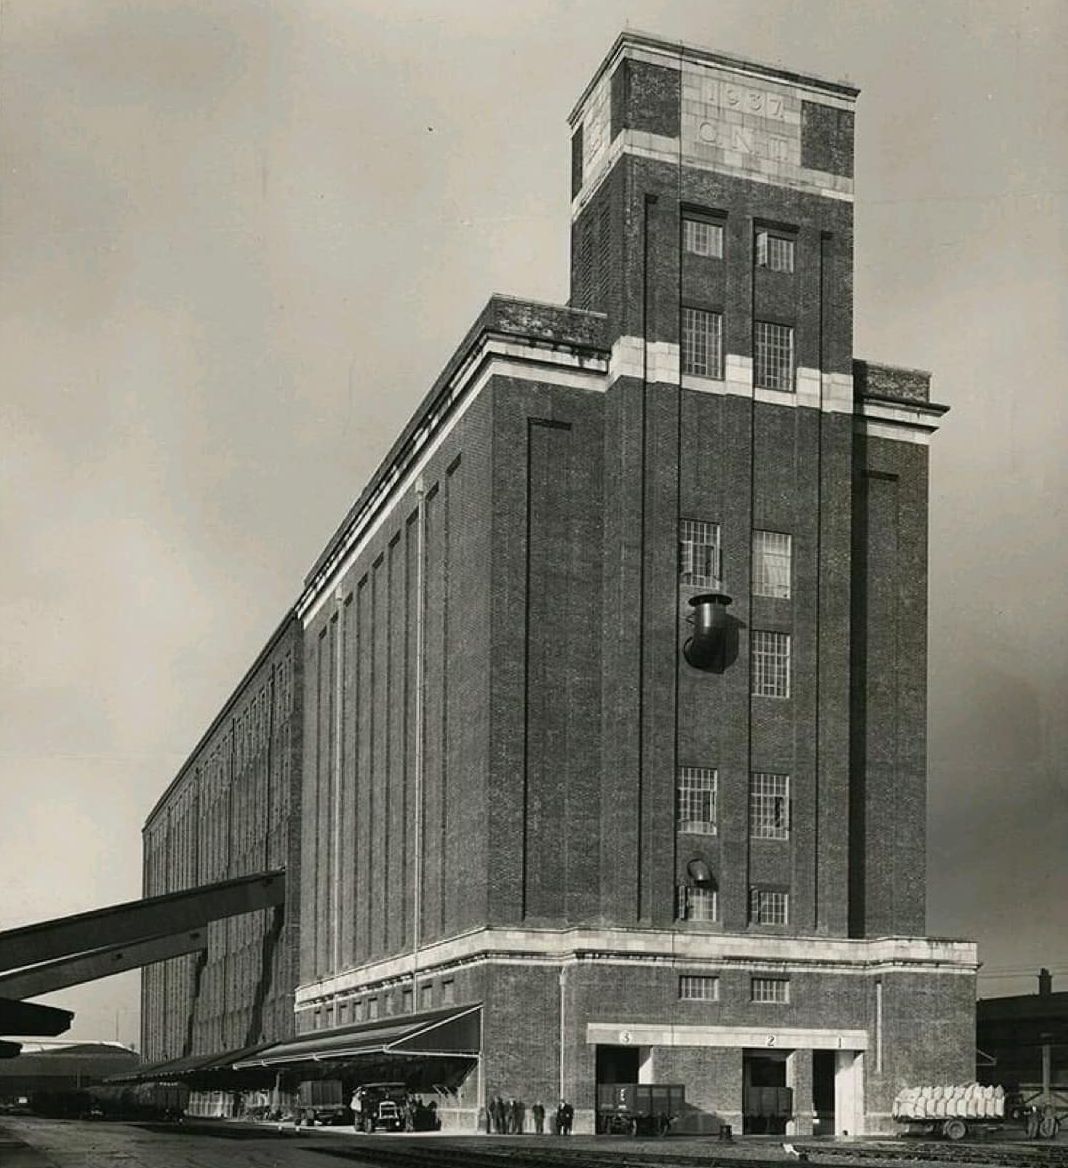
<point x="888" y="746"/>
<point x="425" y="569"/>
<point x="233" y="810"/>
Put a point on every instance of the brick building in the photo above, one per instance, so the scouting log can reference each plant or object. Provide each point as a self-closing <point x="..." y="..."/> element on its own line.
<point x="614" y="704"/>
<point x="232" y="810"/>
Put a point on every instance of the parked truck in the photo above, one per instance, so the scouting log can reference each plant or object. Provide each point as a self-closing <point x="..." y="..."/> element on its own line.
<point x="954" y="1111"/>
<point x="381" y="1107"/>
<point x="323" y="1101"/>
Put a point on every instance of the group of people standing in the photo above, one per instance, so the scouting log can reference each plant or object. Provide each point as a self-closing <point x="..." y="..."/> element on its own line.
<point x="508" y="1116"/>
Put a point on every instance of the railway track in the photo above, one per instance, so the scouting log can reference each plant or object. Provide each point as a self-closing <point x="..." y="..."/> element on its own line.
<point x="387" y="1154"/>
<point x="929" y="1152"/>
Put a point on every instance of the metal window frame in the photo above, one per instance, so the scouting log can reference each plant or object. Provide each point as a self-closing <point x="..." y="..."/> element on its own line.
<point x="776" y="251"/>
<point x="701" y="342"/>
<point x="689" y="895"/>
<point x="759" y="899"/>
<point x="771" y="548"/>
<point x="764" y="823"/>
<point x="774" y="355"/>
<point x="770" y="668"/>
<point x="686" y="819"/>
<point x="773" y="999"/>
<point x="691" y="236"/>
<point x="694" y="534"/>
<point x="700" y="981"/>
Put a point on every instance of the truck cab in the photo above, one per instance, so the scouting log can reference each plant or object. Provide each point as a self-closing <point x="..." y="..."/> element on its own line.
<point x="380" y="1107"/>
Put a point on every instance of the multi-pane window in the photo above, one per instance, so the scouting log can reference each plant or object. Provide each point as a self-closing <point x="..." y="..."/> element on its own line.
<point x="426" y="996"/>
<point x="696" y="793"/>
<point x="699" y="554"/>
<point x="769" y="806"/>
<point x="697" y="903"/>
<point x="448" y="992"/>
<point x="771" y="564"/>
<point x="768" y="906"/>
<point x="773" y="355"/>
<point x="702" y="342"/>
<point x="699" y="989"/>
<point x="771" y="664"/>
<point x="372" y="1008"/>
<point x="700" y="237"/>
<point x="769" y="989"/>
<point x="774" y="252"/>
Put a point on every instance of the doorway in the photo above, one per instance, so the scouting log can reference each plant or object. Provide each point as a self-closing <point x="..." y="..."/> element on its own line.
<point x="823" y="1069"/>
<point x="767" y="1102"/>
<point x="618" y="1064"/>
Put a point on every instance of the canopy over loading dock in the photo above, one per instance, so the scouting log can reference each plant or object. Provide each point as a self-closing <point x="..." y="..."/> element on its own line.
<point x="422" y="1049"/>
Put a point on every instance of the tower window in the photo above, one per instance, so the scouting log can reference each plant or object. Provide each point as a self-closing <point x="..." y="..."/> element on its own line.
<point x="699" y="553"/>
<point x="769" y="806"/>
<point x="774" y="252"/>
<point x="771" y="664"/>
<point x="702" y="343"/>
<point x="696" y="793"/>
<point x="772" y="556"/>
<point x="696" y="903"/>
<point x="698" y="989"/>
<point x="700" y="237"/>
<point x="773" y="365"/>
<point x="769" y="989"/>
<point x="769" y="906"/>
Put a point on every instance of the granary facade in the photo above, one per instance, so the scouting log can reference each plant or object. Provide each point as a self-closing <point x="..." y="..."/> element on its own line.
<point x="614" y="705"/>
<point x="232" y="810"/>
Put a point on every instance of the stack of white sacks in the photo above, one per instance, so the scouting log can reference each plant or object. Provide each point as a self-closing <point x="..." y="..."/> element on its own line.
<point x="971" y="1101"/>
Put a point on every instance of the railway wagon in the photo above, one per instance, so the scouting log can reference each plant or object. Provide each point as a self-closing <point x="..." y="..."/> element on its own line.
<point x="638" y="1108"/>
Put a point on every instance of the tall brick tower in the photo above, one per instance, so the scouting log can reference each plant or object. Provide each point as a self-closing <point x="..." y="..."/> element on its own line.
<point x="713" y="224"/>
<point x="759" y="484"/>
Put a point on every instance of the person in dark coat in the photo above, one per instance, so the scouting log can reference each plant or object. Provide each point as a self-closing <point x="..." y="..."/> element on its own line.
<point x="539" y="1118"/>
<point x="497" y="1114"/>
<point x="569" y="1117"/>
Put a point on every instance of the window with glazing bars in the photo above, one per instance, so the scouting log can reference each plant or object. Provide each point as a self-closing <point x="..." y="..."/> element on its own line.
<point x="699" y="989"/>
<point x="700" y="237"/>
<point x="699" y="554"/>
<point x="696" y="793"/>
<point x="769" y="989"/>
<point x="772" y="555"/>
<point x="769" y="806"/>
<point x="773" y="355"/>
<point x="771" y="664"/>
<point x="702" y="342"/>
<point x="696" y="903"/>
<point x="774" y="252"/>
<point x="768" y="906"/>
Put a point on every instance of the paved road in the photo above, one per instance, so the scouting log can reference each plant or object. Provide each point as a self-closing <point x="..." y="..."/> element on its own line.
<point x="74" y="1144"/>
<point x="30" y="1142"/>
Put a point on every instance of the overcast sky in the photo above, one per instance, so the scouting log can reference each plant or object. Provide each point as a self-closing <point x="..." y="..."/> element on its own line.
<point x="239" y="239"/>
